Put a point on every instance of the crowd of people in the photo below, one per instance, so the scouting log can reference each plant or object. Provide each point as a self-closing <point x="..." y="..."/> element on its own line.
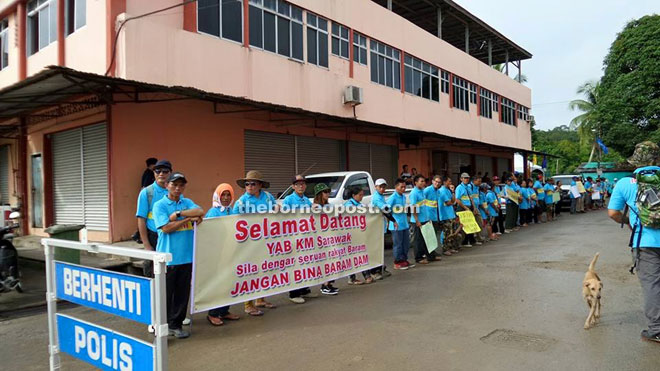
<point x="166" y="220"/>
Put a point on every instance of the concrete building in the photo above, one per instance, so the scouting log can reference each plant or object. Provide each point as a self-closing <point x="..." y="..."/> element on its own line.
<point x="91" y="88"/>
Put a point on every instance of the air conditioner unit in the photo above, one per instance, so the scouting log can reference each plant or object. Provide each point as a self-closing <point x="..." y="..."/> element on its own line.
<point x="353" y="95"/>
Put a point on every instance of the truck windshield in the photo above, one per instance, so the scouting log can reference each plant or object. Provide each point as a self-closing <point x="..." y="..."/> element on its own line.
<point x="334" y="182"/>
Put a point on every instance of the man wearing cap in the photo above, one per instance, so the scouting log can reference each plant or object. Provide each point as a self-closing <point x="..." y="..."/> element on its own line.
<point x="498" y="189"/>
<point x="433" y="209"/>
<point x="145" y="204"/>
<point x="255" y="200"/>
<point x="645" y="239"/>
<point x="477" y="203"/>
<point x="297" y="201"/>
<point x="464" y="201"/>
<point x="174" y="216"/>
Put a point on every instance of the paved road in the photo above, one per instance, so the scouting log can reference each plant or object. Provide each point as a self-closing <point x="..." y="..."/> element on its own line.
<point x="509" y="305"/>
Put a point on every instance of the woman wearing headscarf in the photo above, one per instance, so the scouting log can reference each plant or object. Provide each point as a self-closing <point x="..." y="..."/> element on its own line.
<point x="222" y="200"/>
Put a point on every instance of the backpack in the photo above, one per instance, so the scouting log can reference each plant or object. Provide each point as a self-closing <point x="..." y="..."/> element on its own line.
<point x="647" y="200"/>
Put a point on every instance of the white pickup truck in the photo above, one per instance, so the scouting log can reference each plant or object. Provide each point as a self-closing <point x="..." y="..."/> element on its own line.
<point x="339" y="182"/>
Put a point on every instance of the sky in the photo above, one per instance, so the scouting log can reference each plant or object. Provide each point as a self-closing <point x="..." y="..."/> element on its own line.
<point x="568" y="40"/>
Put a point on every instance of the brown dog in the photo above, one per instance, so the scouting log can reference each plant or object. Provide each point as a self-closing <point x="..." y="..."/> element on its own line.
<point x="591" y="287"/>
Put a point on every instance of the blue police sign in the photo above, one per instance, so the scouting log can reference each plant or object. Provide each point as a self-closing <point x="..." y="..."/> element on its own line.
<point x="115" y="293"/>
<point x="101" y="347"/>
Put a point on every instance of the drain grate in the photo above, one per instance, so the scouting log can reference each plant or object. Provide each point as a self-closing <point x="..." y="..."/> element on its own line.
<point x="512" y="339"/>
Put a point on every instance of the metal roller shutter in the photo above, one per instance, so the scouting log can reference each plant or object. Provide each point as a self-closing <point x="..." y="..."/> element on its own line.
<point x="4" y="175"/>
<point x="95" y="176"/>
<point x="484" y="165"/>
<point x="502" y="166"/>
<point x="273" y="155"/>
<point x="318" y="155"/>
<point x="359" y="156"/>
<point x="384" y="163"/>
<point x="67" y="177"/>
<point x="454" y="163"/>
<point x="80" y="177"/>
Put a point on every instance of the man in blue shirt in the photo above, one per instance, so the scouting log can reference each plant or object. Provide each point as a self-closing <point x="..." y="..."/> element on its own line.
<point x="175" y="216"/>
<point x="446" y="202"/>
<point x="255" y="200"/>
<point x="476" y="203"/>
<point x="498" y="188"/>
<point x="148" y="196"/>
<point x="418" y="219"/>
<point x="588" y="186"/>
<point x="645" y="240"/>
<point x="400" y="228"/>
<point x="464" y="203"/>
<point x="297" y="201"/>
<point x="549" y="189"/>
<point x="513" y="199"/>
<point x="378" y="200"/>
<point x="432" y="194"/>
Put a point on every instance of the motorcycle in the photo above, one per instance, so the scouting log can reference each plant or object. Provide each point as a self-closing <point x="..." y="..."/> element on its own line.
<point x="9" y="273"/>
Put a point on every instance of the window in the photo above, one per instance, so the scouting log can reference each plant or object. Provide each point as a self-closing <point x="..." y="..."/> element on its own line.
<point x="42" y="24"/>
<point x="444" y="81"/>
<point x="221" y="18"/>
<point x="496" y="102"/>
<point x="317" y="40"/>
<point x="276" y="26"/>
<point x="421" y="78"/>
<point x="360" y="181"/>
<point x="473" y="93"/>
<point x="340" y="41"/>
<point x="385" y="65"/>
<point x="486" y="103"/>
<point x="4" y="44"/>
<point x="359" y="48"/>
<point x="508" y="111"/>
<point x="76" y="16"/>
<point x="523" y="113"/>
<point x="461" y="93"/>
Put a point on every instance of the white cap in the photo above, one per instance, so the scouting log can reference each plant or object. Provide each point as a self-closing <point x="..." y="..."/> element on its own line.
<point x="380" y="181"/>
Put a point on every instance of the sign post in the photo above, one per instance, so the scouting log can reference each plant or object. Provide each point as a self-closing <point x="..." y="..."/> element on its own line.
<point x="133" y="297"/>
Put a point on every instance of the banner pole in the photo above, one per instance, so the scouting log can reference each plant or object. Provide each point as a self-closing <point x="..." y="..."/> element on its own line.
<point x="51" y="301"/>
<point x="160" y="329"/>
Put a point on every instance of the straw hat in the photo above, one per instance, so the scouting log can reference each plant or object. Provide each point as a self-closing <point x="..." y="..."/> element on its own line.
<point x="253" y="175"/>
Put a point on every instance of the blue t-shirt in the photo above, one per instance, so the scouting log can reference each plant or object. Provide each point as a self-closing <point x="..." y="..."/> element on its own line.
<point x="625" y="192"/>
<point x="482" y="203"/>
<point x="549" y="190"/>
<point x="524" y="203"/>
<point x="491" y="199"/>
<point x="295" y="202"/>
<point x="446" y="212"/>
<point x="538" y="188"/>
<point x="248" y="204"/>
<point x="215" y="212"/>
<point x="463" y="195"/>
<point x="144" y="209"/>
<point x="474" y="193"/>
<point x="398" y="203"/>
<point x="417" y="199"/>
<point x="431" y="205"/>
<point x="587" y="186"/>
<point x="180" y="242"/>
<point x="378" y="200"/>
<point x="352" y="202"/>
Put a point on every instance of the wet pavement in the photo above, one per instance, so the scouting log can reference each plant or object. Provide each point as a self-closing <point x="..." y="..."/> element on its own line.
<point x="514" y="304"/>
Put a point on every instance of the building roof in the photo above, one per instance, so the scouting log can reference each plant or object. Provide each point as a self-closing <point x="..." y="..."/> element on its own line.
<point x="423" y="13"/>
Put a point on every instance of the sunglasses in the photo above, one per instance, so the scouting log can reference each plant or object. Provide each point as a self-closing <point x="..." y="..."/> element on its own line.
<point x="326" y="191"/>
<point x="251" y="184"/>
<point x="161" y="171"/>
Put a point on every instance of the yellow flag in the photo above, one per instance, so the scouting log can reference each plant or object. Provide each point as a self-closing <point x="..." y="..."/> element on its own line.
<point x="534" y="160"/>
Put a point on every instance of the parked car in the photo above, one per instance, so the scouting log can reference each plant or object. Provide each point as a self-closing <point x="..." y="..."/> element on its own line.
<point x="339" y="182"/>
<point x="565" y="180"/>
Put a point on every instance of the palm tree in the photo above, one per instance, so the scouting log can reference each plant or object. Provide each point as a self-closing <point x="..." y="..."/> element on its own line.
<point x="585" y="123"/>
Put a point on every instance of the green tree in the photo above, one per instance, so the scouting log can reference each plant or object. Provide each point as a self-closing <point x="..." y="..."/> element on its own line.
<point x="586" y="123"/>
<point x="628" y="106"/>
